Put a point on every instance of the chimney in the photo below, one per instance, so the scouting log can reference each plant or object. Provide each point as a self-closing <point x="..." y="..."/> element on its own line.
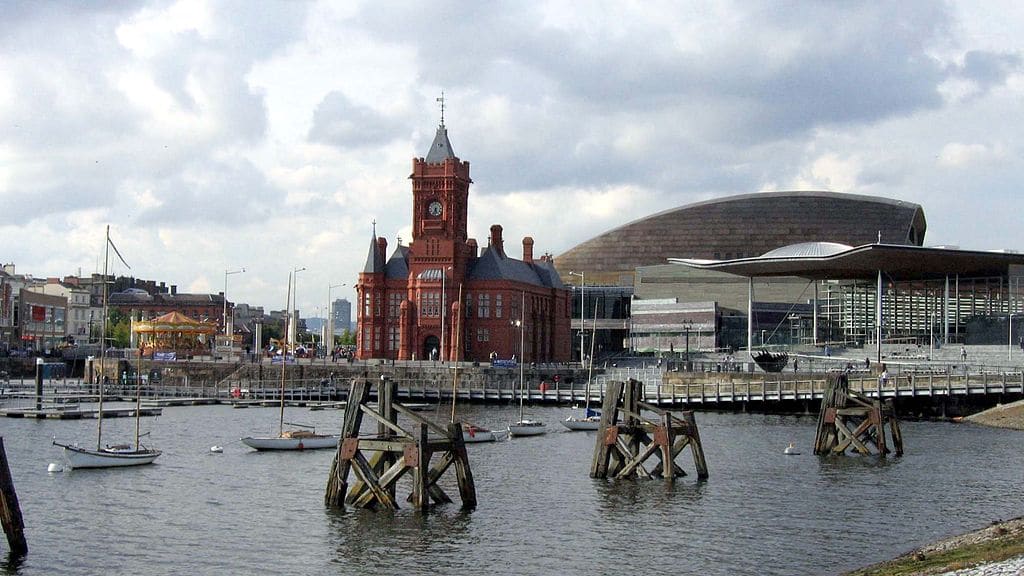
<point x="528" y="250"/>
<point x="382" y="248"/>
<point x="174" y="289"/>
<point x="475" y="252"/>
<point x="496" y="242"/>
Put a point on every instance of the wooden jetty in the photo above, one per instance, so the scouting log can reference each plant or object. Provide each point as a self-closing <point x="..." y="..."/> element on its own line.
<point x="624" y="446"/>
<point x="378" y="461"/>
<point x="77" y="414"/>
<point x="10" y="510"/>
<point x="851" y="420"/>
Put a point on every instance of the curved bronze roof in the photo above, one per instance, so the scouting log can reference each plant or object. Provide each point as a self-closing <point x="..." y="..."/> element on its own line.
<point x="745" y="226"/>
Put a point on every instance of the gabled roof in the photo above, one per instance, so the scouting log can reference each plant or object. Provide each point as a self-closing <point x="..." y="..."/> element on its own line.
<point x="398" y="265"/>
<point x="493" y="265"/>
<point x="441" y="148"/>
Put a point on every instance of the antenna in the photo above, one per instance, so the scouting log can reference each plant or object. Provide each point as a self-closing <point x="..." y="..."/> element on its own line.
<point x="441" y="100"/>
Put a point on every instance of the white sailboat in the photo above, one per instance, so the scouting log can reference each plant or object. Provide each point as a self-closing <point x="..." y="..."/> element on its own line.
<point x="591" y="419"/>
<point x="524" y="427"/>
<point x="119" y="455"/>
<point x="304" y="439"/>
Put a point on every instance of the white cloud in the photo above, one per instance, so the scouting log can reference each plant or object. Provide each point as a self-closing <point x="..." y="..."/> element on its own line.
<point x="215" y="135"/>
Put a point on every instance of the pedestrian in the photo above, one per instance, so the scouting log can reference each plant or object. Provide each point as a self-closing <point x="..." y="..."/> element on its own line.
<point x="963" y="353"/>
<point x="867" y="363"/>
<point x="883" y="378"/>
<point x="796" y="364"/>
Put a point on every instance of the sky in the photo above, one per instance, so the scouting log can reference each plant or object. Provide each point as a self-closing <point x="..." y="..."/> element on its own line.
<point x="272" y="136"/>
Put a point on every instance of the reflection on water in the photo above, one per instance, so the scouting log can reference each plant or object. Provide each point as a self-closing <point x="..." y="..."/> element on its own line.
<point x="539" y="512"/>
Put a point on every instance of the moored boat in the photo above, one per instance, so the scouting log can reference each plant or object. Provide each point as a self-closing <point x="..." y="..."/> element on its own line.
<point x="527" y="428"/>
<point x="109" y="457"/>
<point x="585" y="423"/>
<point x="292" y="440"/>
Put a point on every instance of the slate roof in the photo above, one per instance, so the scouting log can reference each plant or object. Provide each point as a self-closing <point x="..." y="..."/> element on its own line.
<point x="398" y="265"/>
<point x="441" y="148"/>
<point x="374" y="261"/>
<point x="492" y="265"/>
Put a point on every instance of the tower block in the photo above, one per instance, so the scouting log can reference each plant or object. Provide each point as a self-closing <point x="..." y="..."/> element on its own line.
<point x="622" y="448"/>
<point x="850" y="420"/>
<point x="379" y="461"/>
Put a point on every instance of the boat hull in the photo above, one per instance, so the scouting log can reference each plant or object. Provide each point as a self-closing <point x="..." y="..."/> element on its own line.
<point x="527" y="428"/>
<point x="573" y="423"/>
<point x="81" y="458"/>
<point x="279" y="443"/>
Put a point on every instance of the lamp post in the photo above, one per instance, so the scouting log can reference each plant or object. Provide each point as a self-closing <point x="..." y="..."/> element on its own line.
<point x="583" y="316"/>
<point x="444" y="275"/>
<point x="227" y="273"/>
<point x="330" y="313"/>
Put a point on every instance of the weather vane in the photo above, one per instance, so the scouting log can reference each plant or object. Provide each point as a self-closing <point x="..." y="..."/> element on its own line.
<point x="441" y="100"/>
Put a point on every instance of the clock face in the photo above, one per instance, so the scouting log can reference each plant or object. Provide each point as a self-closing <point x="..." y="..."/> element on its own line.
<point x="434" y="208"/>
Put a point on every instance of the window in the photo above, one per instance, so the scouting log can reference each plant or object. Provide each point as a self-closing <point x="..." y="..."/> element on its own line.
<point x="483" y="335"/>
<point x="366" y="304"/>
<point x="497" y="305"/>
<point x="430" y="304"/>
<point x="366" y="338"/>
<point x="469" y="305"/>
<point x="484" y="309"/>
<point x="376" y="339"/>
<point x="392" y="338"/>
<point x="394" y="304"/>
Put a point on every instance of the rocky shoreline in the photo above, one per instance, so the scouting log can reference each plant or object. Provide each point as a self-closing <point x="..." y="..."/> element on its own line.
<point x="995" y="550"/>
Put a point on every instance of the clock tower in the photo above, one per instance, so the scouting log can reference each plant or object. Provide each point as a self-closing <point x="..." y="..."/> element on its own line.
<point x="440" y="190"/>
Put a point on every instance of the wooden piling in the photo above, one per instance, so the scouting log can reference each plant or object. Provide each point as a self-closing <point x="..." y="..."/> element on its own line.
<point x="379" y="461"/>
<point x="10" y="510"/>
<point x="626" y="439"/>
<point x="849" y="420"/>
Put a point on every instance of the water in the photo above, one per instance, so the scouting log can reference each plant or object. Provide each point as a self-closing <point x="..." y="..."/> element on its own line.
<point x="243" y="512"/>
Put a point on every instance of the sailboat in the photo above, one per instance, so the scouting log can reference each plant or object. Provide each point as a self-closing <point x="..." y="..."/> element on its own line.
<point x="304" y="439"/>
<point x="591" y="419"/>
<point x="119" y="455"/>
<point x="524" y="427"/>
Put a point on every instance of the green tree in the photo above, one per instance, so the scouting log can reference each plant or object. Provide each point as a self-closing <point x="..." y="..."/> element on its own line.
<point x="348" y="337"/>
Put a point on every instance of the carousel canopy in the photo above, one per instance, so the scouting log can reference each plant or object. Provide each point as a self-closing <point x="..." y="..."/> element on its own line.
<point x="175" y="322"/>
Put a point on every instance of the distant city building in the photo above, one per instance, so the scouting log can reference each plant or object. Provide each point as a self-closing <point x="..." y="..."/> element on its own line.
<point x="342" y="316"/>
<point x="439" y="297"/>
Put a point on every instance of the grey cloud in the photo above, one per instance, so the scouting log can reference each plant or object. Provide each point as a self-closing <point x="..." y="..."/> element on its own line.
<point x="988" y="69"/>
<point x="210" y="192"/>
<point x="340" y="122"/>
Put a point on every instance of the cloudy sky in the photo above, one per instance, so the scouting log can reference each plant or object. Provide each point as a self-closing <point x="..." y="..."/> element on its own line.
<point x="213" y="136"/>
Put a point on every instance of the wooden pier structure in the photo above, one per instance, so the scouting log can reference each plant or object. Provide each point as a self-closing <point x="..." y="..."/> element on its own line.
<point x="10" y="510"/>
<point x="623" y="447"/>
<point x="378" y="461"/>
<point x="851" y="420"/>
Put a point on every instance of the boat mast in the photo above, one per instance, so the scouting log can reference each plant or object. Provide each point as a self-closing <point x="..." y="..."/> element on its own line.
<point x="103" y="342"/>
<point x="284" y="352"/>
<point x="590" y="373"/>
<point x="458" y="344"/>
<point x="138" y="397"/>
<point x="522" y="359"/>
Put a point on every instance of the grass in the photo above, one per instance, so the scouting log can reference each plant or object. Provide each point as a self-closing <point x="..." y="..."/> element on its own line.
<point x="1001" y="547"/>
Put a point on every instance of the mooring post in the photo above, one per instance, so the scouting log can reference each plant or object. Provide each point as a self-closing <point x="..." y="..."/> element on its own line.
<point x="10" y="511"/>
<point x="39" y="384"/>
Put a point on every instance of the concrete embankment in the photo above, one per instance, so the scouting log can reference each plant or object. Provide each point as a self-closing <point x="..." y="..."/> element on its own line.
<point x="1003" y="416"/>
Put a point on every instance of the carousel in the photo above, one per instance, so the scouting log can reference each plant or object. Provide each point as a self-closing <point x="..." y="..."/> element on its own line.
<point x="174" y="333"/>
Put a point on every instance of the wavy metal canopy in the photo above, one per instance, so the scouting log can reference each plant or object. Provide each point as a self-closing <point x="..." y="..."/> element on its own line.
<point x="900" y="262"/>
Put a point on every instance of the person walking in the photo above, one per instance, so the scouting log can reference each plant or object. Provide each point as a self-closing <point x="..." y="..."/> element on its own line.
<point x="963" y="353"/>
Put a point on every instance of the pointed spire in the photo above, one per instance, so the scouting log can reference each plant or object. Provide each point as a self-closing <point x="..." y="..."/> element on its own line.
<point x="374" y="259"/>
<point x="441" y="148"/>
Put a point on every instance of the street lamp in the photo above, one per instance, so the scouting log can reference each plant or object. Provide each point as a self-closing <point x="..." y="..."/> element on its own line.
<point x="226" y="274"/>
<point x="444" y="275"/>
<point x="583" y="316"/>
<point x="330" y="313"/>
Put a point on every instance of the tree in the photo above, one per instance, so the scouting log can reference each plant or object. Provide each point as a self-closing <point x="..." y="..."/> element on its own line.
<point x="348" y="337"/>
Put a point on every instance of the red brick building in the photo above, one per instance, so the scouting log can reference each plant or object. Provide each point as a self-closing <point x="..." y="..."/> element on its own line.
<point x="409" y="302"/>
